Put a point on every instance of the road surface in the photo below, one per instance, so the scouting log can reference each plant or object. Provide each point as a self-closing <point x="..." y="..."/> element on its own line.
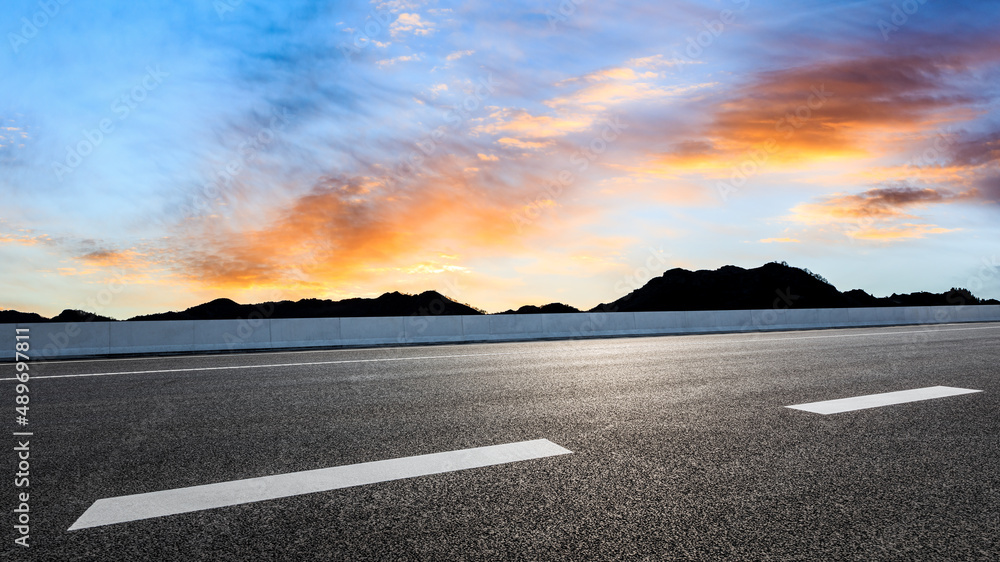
<point x="680" y="447"/>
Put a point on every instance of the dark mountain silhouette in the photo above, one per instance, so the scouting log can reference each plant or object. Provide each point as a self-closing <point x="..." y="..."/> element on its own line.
<point x="861" y="299"/>
<point x="730" y="288"/>
<point x="13" y="317"/>
<point x="219" y="309"/>
<point x="70" y="315"/>
<point x="773" y="285"/>
<point x="428" y="303"/>
<point x="551" y="308"/>
<point x="953" y="297"/>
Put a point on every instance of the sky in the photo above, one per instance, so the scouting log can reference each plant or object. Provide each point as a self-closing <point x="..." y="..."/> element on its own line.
<point x="158" y="155"/>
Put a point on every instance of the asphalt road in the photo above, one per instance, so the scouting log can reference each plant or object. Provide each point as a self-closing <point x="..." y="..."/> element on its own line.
<point x="682" y="448"/>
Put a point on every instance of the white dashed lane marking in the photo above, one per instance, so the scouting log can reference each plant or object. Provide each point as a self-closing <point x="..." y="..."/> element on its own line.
<point x="877" y="400"/>
<point x="210" y="496"/>
<point x="265" y="366"/>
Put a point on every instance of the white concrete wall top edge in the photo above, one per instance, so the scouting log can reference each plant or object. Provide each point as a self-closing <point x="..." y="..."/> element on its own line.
<point x="57" y="339"/>
<point x="992" y="308"/>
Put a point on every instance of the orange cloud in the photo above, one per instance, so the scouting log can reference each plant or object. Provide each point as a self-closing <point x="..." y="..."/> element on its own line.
<point x="614" y="73"/>
<point x="953" y="176"/>
<point x="73" y="272"/>
<point x="129" y="259"/>
<point x="618" y="86"/>
<point x="583" y="103"/>
<point x="958" y="161"/>
<point x="331" y="237"/>
<point x="524" y="145"/>
<point x="685" y="156"/>
<point x="877" y="204"/>
<point x="25" y="237"/>
<point x="523" y="125"/>
<point x="880" y="214"/>
<point x="836" y="109"/>
<point x="898" y="232"/>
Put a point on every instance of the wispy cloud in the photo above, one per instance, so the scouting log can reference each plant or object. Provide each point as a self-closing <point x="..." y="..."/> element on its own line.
<point x="882" y="214"/>
<point x="581" y="103"/>
<point x="411" y="23"/>
<point x="402" y="58"/>
<point x="905" y="231"/>
<point x="520" y="123"/>
<point x="458" y="54"/>
<point x="845" y="108"/>
<point x="657" y="62"/>
<point x="344" y="230"/>
<point x="878" y="203"/>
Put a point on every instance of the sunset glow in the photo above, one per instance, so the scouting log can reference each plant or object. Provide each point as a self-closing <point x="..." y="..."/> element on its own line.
<point x="501" y="153"/>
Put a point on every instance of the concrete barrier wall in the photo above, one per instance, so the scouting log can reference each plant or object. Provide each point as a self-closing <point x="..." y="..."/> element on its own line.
<point x="8" y="339"/>
<point x="373" y="331"/>
<point x="432" y="329"/>
<point x="520" y="325"/>
<point x="717" y="320"/>
<point x="59" y="339"/>
<point x="212" y="335"/>
<point x="154" y="337"/>
<point x="476" y="328"/>
<point x="793" y="319"/>
<point x="658" y="322"/>
<point x="304" y="332"/>
<point x="586" y="324"/>
<point x="832" y="316"/>
<point x="52" y="340"/>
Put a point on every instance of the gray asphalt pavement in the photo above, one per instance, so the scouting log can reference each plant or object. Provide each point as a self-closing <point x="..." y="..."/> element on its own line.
<point x="683" y="448"/>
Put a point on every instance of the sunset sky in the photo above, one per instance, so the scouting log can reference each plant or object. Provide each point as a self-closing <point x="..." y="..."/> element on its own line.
<point x="502" y="153"/>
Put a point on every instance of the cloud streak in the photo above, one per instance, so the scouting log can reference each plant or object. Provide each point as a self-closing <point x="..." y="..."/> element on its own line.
<point x="884" y="213"/>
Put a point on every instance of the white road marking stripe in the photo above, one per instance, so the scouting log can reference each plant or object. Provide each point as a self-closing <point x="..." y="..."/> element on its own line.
<point x="922" y="328"/>
<point x="252" y="353"/>
<point x="123" y="509"/>
<point x="876" y="400"/>
<point x="227" y="367"/>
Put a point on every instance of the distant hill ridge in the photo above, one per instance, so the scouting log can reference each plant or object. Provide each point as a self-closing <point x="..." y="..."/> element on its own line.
<point x="773" y="285"/>
<point x="389" y="304"/>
